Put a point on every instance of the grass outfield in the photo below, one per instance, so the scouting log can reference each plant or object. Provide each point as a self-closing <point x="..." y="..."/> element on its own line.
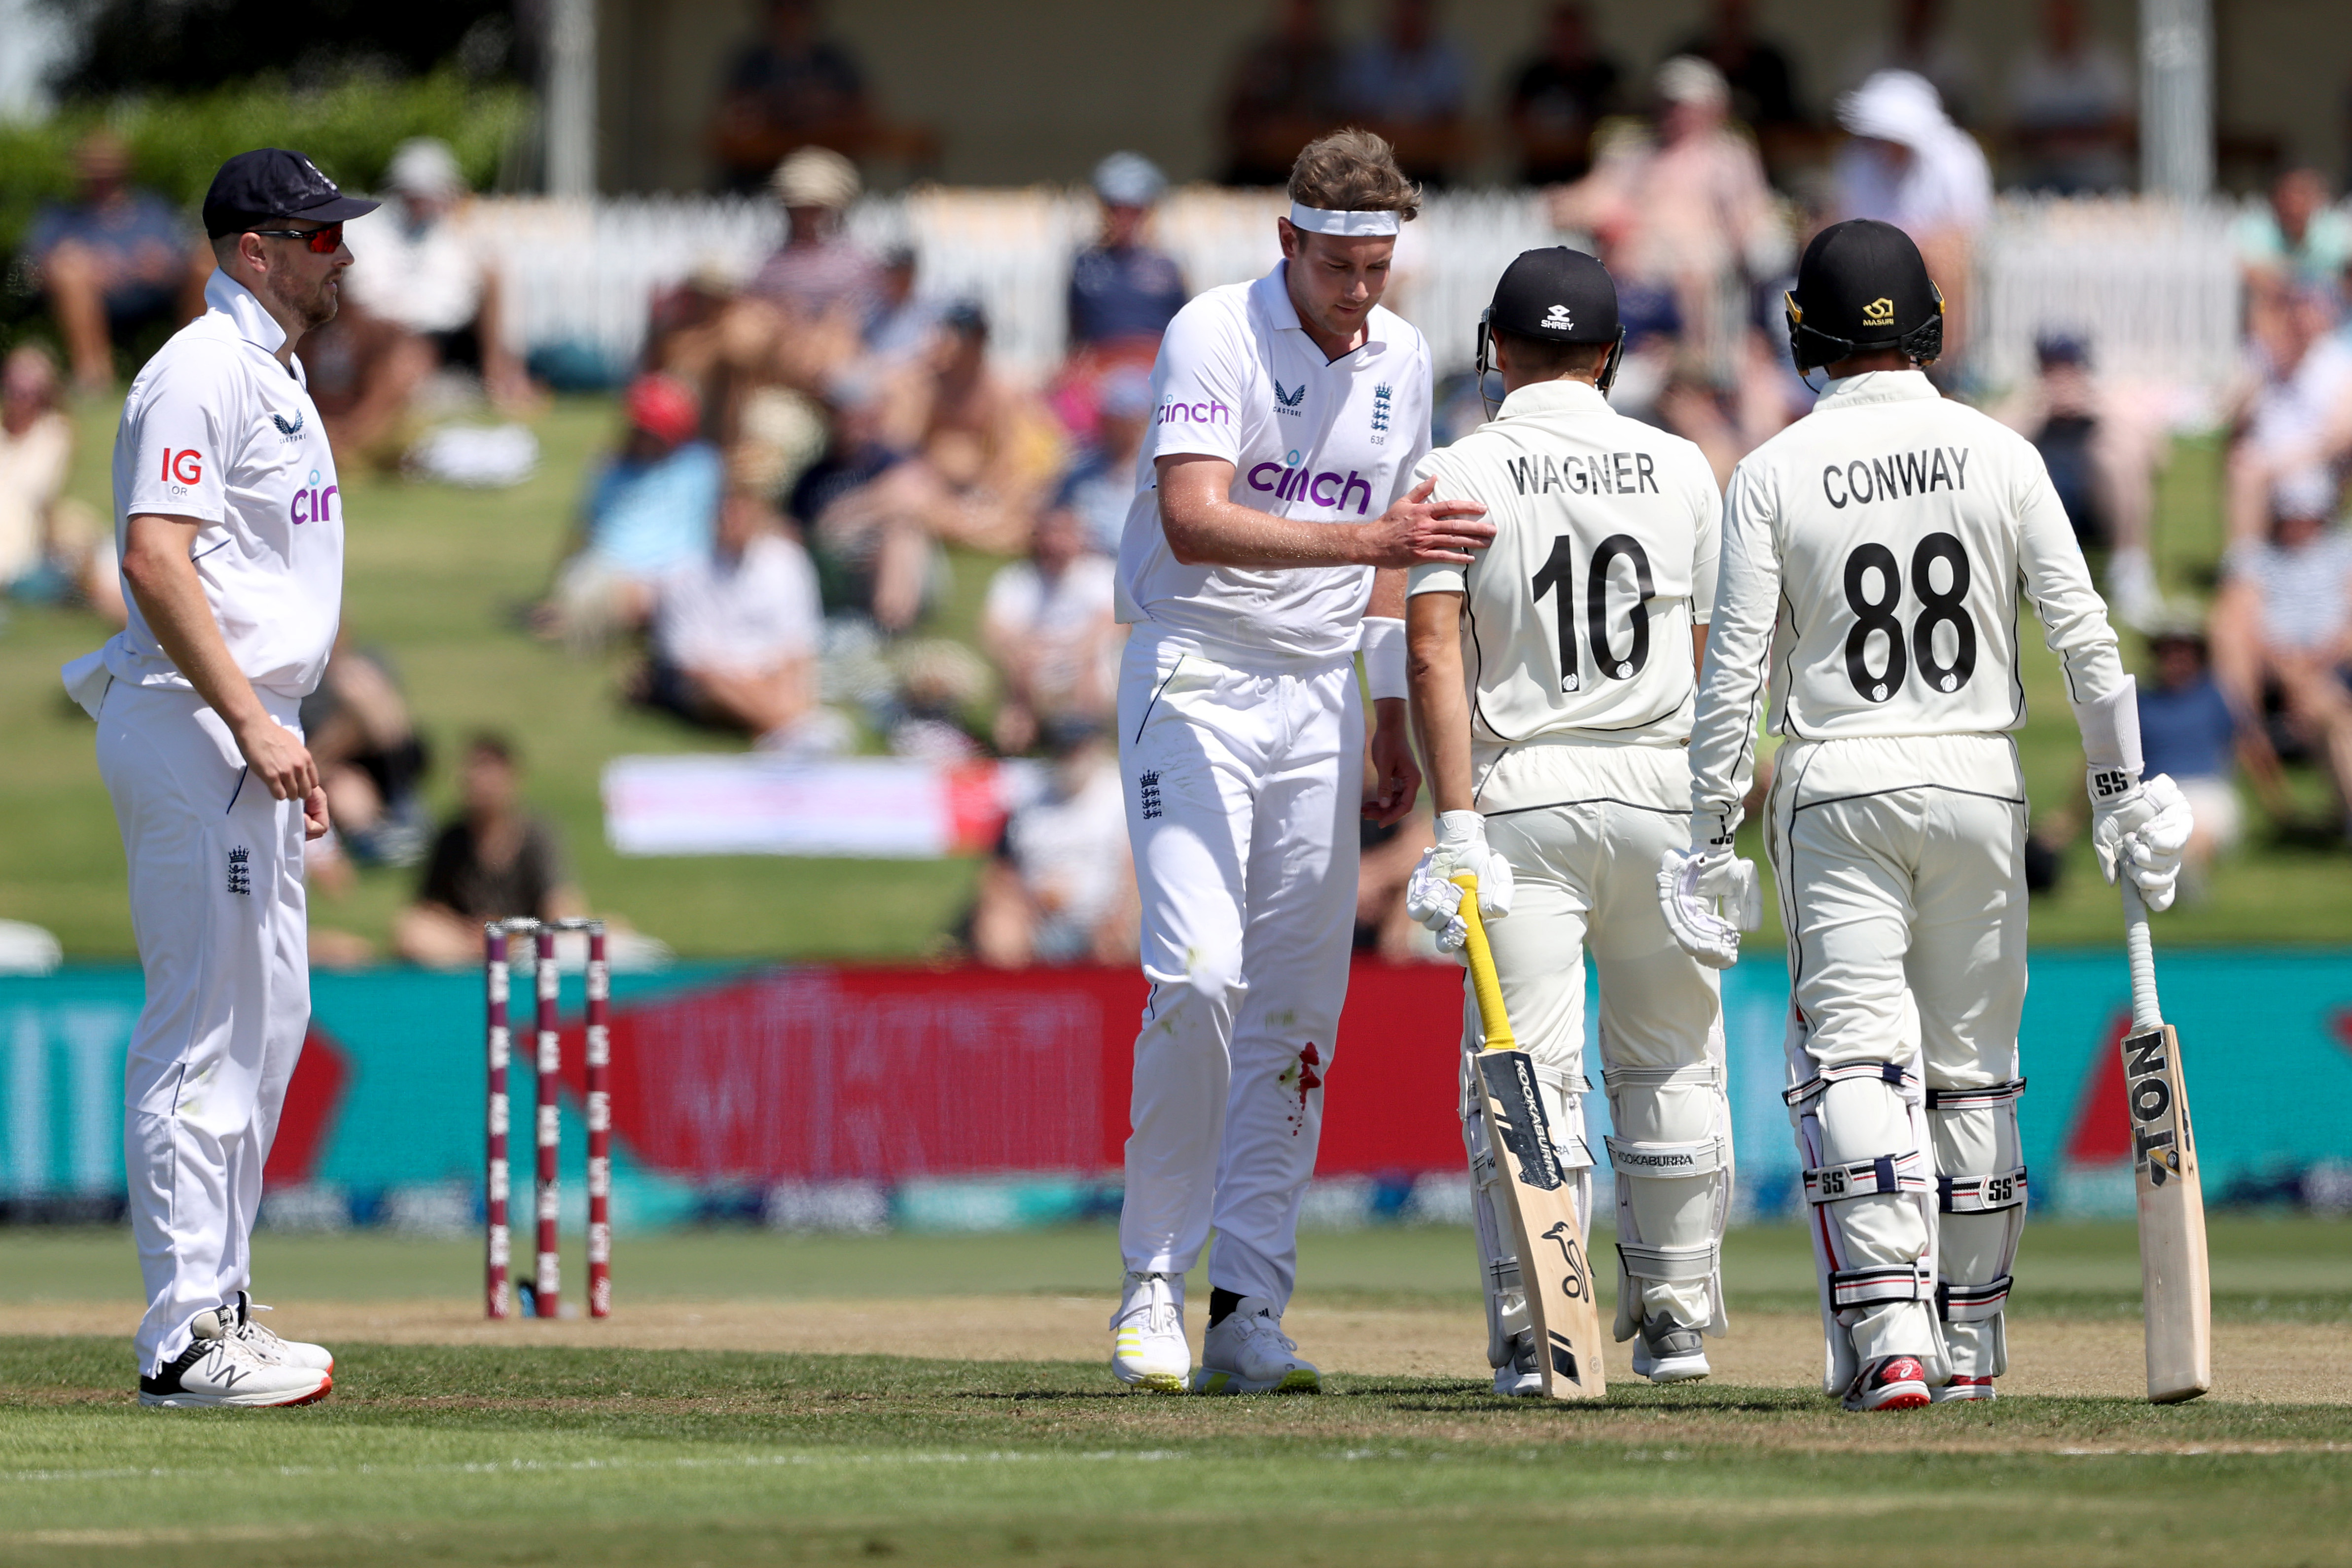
<point x="435" y="575"/>
<point x="508" y="1450"/>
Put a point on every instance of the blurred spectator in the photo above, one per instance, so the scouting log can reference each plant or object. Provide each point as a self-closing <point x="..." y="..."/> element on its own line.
<point x="1558" y="96"/>
<point x="735" y="636"/>
<point x="494" y="861"/>
<point x="2292" y="408"/>
<point x="1099" y="485"/>
<point x="1124" y="292"/>
<point x="115" y="261"/>
<point x="988" y="448"/>
<point x="1919" y="39"/>
<point x="1763" y="85"/>
<point x="2069" y="107"/>
<point x="863" y="519"/>
<point x="790" y="89"/>
<point x="52" y="548"/>
<point x="903" y="322"/>
<point x="1687" y="211"/>
<point x="1910" y="165"/>
<point x="2102" y="456"/>
<point x="2189" y="730"/>
<point x="422" y="299"/>
<point x="939" y="683"/>
<point x="369" y="758"/>
<point x="1048" y="625"/>
<point x="1410" y="83"/>
<point x="651" y="507"/>
<point x="803" y="316"/>
<point x="2298" y="237"/>
<point x="2282" y="629"/>
<point x="1388" y="853"/>
<point x="1286" y="93"/>
<point x="1061" y="888"/>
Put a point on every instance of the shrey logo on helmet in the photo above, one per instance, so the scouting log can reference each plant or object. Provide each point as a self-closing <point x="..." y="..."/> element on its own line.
<point x="1558" y="320"/>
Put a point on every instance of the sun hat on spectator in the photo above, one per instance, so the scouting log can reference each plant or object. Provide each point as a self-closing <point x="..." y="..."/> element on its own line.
<point x="1895" y="106"/>
<point x="1687" y="78"/>
<point x="423" y="167"/>
<point x="1128" y="180"/>
<point x="661" y="407"/>
<point x="815" y="177"/>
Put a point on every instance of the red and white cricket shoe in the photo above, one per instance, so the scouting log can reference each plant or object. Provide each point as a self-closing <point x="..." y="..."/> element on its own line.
<point x="1965" y="1387"/>
<point x="1890" y="1383"/>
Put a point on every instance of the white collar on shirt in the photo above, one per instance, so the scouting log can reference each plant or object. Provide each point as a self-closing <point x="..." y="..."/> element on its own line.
<point x="235" y="300"/>
<point x="1554" y="397"/>
<point x="1274" y="299"/>
<point x="1877" y="386"/>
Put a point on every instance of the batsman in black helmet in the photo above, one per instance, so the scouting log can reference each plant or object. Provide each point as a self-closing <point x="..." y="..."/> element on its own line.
<point x="1553" y="681"/>
<point x="1873" y="556"/>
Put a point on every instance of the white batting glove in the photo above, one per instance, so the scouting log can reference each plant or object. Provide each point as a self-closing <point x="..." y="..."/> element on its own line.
<point x="1709" y="896"/>
<point x="2142" y="831"/>
<point x="1432" y="897"/>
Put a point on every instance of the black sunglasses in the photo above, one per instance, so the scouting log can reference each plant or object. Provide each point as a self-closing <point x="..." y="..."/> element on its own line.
<point x="325" y="241"/>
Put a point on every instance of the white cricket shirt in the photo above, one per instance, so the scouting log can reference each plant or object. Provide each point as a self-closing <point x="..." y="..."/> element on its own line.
<point x="1577" y="620"/>
<point x="1325" y="440"/>
<point x="1874" y="554"/>
<point x="217" y="429"/>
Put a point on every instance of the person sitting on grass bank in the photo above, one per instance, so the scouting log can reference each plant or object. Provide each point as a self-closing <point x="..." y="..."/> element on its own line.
<point x="495" y="861"/>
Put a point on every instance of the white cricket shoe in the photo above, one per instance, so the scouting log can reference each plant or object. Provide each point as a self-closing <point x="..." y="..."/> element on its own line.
<point x="1148" y="1349"/>
<point x="1247" y="1352"/>
<point x="266" y="1344"/>
<point x="1665" y="1352"/>
<point x="219" y="1369"/>
<point x="1520" y="1377"/>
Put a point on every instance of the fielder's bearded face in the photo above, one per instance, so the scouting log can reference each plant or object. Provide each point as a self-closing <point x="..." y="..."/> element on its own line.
<point x="1336" y="280"/>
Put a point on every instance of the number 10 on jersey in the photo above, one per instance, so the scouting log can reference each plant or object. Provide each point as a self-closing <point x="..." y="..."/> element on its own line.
<point x="1558" y="579"/>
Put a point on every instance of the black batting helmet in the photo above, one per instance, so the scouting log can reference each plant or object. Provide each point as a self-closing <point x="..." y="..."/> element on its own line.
<point x="1863" y="285"/>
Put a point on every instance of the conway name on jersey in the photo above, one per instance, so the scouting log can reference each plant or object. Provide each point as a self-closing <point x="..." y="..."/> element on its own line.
<point x="1917" y="522"/>
<point x="1577" y="620"/>
<point x="1324" y="440"/>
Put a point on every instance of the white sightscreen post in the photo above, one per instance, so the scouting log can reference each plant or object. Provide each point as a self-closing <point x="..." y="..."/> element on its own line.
<point x="571" y="98"/>
<point x="2176" y="98"/>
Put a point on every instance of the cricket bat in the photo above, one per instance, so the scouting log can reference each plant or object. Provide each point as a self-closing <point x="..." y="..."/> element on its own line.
<point x="1554" y="1269"/>
<point x="2175" y="1286"/>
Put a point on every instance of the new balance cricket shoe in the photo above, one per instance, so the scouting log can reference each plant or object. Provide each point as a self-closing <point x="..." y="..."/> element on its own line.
<point x="1245" y="1351"/>
<point x="1148" y="1349"/>
<point x="1665" y="1352"/>
<point x="219" y="1369"/>
<point x="266" y="1344"/>
<point x="1521" y="1377"/>
<point x="1889" y="1383"/>
<point x="1964" y="1386"/>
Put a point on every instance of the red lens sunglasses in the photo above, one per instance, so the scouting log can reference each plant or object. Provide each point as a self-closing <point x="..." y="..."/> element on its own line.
<point x="323" y="241"/>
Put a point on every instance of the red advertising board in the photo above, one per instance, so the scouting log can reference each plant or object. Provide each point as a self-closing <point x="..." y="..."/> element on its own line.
<point x="833" y="1074"/>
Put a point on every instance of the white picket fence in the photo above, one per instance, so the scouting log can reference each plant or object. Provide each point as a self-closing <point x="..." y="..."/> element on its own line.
<point x="2151" y="284"/>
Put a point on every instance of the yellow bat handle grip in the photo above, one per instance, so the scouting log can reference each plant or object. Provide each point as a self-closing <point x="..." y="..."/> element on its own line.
<point x="1483" y="983"/>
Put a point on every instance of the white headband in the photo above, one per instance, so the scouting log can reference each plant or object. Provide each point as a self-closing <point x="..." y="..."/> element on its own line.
<point x="1353" y="224"/>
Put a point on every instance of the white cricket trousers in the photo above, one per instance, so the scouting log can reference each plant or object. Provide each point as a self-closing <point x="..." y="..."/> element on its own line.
<point x="1586" y="874"/>
<point x="216" y="906"/>
<point x="1901" y="871"/>
<point x="1244" y="789"/>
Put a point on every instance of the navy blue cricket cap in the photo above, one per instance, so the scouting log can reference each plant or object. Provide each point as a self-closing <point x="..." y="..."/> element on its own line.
<point x="1556" y="295"/>
<point x="269" y="184"/>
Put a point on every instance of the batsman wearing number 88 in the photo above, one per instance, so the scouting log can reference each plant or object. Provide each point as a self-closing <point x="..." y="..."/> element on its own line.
<point x="1873" y="556"/>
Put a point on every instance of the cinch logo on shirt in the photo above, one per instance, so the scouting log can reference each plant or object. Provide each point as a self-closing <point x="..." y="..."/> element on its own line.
<point x="1298" y="481"/>
<point x="313" y="504"/>
<point x="1208" y="412"/>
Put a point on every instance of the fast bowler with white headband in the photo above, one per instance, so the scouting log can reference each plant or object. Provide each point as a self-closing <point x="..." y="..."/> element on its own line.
<point x="1271" y="510"/>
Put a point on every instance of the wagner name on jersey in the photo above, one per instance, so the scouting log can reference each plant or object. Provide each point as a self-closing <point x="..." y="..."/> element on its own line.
<point x="1894" y="531"/>
<point x="1577" y="618"/>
